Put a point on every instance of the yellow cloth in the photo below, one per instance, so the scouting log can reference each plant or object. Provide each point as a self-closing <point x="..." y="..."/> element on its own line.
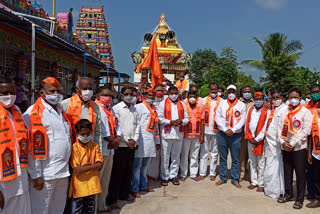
<point x="85" y="183"/>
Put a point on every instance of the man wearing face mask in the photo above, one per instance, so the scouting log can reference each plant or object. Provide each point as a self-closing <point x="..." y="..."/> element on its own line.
<point x="254" y="132"/>
<point x="221" y="93"/>
<point x="159" y="95"/>
<point x="110" y="123"/>
<point x="148" y="143"/>
<point x="230" y="119"/>
<point x="295" y="125"/>
<point x="51" y="149"/>
<point x="121" y="175"/>
<point x="182" y="84"/>
<point x="14" y="186"/>
<point x="246" y="98"/>
<point x="273" y="172"/>
<point x="172" y="117"/>
<point x="210" y="105"/>
<point x="135" y="96"/>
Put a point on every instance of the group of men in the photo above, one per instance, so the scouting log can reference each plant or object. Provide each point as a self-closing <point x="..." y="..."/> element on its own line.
<point x="164" y="131"/>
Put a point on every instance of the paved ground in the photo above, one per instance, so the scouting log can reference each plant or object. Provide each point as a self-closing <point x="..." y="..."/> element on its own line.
<point x="204" y="197"/>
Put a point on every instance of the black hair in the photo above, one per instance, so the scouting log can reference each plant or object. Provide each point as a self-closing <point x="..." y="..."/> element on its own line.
<point x="5" y="79"/>
<point x="83" y="124"/>
<point x="134" y="89"/>
<point x="157" y="86"/>
<point x="259" y="90"/>
<point x="295" y="89"/>
<point x="222" y="89"/>
<point x="173" y="88"/>
<point x="126" y="88"/>
<point x="275" y="91"/>
<point x="243" y="87"/>
<point x="192" y="93"/>
<point x="314" y="86"/>
<point x="193" y="86"/>
<point x="213" y="83"/>
<point x="103" y="88"/>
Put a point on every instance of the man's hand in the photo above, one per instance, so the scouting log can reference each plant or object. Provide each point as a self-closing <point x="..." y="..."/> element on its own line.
<point x="1" y="200"/>
<point x="132" y="144"/>
<point x="229" y="132"/>
<point x="287" y="147"/>
<point x="253" y="141"/>
<point x="202" y="139"/>
<point x="38" y="183"/>
<point x="310" y="158"/>
<point x="158" y="146"/>
<point x="179" y="122"/>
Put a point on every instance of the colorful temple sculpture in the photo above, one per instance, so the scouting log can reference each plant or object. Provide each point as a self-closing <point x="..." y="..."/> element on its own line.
<point x="172" y="58"/>
<point x="93" y="30"/>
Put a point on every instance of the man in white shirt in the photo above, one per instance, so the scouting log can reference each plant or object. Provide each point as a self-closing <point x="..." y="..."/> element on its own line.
<point x="172" y="118"/>
<point x="14" y="186"/>
<point x="314" y="144"/>
<point x="49" y="174"/>
<point x="210" y="105"/>
<point x="230" y="119"/>
<point x="254" y="132"/>
<point x="111" y="142"/>
<point x="273" y="172"/>
<point x="295" y="125"/>
<point x="121" y="175"/>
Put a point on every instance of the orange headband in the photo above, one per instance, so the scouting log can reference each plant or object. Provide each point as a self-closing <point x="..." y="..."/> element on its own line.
<point x="151" y="91"/>
<point x="258" y="94"/>
<point x="51" y="81"/>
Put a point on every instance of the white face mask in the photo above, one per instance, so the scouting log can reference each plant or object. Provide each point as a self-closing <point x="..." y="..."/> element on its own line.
<point x="214" y="95"/>
<point x="7" y="101"/>
<point x="84" y="140"/>
<point x="219" y="94"/>
<point x="54" y="99"/>
<point x="247" y="95"/>
<point x="232" y="96"/>
<point x="277" y="103"/>
<point x="173" y="97"/>
<point x="134" y="100"/>
<point x="86" y="95"/>
<point x="307" y="100"/>
<point x="294" y="102"/>
<point x="128" y="99"/>
<point x="159" y="99"/>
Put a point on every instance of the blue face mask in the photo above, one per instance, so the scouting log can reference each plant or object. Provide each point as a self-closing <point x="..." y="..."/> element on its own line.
<point x="181" y="78"/>
<point x="247" y="96"/>
<point x="258" y="103"/>
<point x="84" y="140"/>
<point x="150" y="101"/>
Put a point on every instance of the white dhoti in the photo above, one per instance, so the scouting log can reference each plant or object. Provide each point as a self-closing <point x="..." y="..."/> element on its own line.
<point x="190" y="145"/>
<point x="153" y="171"/>
<point x="170" y="149"/>
<point x="51" y="199"/>
<point x="257" y="165"/>
<point x="274" y="176"/>
<point x="210" y="143"/>
<point x="17" y="204"/>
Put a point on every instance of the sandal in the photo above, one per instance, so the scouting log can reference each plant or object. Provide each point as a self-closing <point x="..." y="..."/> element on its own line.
<point x="283" y="200"/>
<point x="175" y="181"/>
<point x="164" y="183"/>
<point x="298" y="205"/>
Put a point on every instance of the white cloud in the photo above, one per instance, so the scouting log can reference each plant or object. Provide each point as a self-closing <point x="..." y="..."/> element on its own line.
<point x="272" y="4"/>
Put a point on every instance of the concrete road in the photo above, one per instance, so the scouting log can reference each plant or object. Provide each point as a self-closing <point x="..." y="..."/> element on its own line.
<point x="205" y="197"/>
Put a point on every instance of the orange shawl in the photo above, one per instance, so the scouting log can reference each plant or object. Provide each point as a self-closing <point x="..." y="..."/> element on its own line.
<point x="230" y="114"/>
<point x="207" y="109"/>
<point x="288" y="125"/>
<point x="152" y="124"/>
<point x="190" y="129"/>
<point x="111" y="121"/>
<point x="182" y="85"/>
<point x="168" y="114"/>
<point x="313" y="107"/>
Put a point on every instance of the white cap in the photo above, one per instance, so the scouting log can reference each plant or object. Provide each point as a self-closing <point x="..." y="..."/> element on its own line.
<point x="231" y="87"/>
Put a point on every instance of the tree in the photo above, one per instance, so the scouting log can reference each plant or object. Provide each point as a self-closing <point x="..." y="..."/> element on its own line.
<point x="279" y="58"/>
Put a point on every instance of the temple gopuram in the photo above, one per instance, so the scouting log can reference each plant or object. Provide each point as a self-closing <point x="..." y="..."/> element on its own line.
<point x="92" y="29"/>
<point x="172" y="58"/>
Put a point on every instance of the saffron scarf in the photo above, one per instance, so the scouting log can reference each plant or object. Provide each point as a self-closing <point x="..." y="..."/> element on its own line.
<point x="230" y="114"/>
<point x="111" y="121"/>
<point x="168" y="114"/>
<point x="207" y="110"/>
<point x="288" y="125"/>
<point x="313" y="107"/>
<point x="190" y="129"/>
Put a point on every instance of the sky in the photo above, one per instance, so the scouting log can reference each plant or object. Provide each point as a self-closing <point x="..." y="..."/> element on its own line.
<point x="213" y="24"/>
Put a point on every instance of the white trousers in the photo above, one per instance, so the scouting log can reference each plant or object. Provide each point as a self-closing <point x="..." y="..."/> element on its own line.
<point x="210" y="143"/>
<point x="256" y="163"/>
<point x="192" y="146"/>
<point x="51" y="199"/>
<point x="17" y="204"/>
<point x="274" y="177"/>
<point x="170" y="150"/>
<point x="104" y="175"/>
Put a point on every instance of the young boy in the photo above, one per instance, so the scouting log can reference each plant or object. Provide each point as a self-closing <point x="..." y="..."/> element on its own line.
<point x="86" y="160"/>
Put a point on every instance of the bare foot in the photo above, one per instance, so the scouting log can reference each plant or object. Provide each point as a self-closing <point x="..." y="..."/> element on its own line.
<point x="132" y="199"/>
<point x="135" y="195"/>
<point x="183" y="179"/>
<point x="196" y="179"/>
<point x="251" y="187"/>
<point x="241" y="179"/>
<point x="108" y="210"/>
<point x="201" y="178"/>
<point x="115" y="206"/>
<point x="212" y="178"/>
<point x="260" y="189"/>
<point x="237" y="185"/>
<point x="147" y="190"/>
<point x="219" y="183"/>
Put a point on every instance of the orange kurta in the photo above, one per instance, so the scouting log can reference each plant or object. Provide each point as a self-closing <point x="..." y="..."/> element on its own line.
<point x="85" y="183"/>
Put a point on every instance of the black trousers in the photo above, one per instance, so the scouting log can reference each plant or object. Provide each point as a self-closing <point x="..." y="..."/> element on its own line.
<point x="316" y="176"/>
<point x="121" y="175"/>
<point x="296" y="161"/>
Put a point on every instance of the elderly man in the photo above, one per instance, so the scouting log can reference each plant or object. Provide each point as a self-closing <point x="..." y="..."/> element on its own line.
<point x="14" y="189"/>
<point x="51" y="149"/>
<point x="230" y="119"/>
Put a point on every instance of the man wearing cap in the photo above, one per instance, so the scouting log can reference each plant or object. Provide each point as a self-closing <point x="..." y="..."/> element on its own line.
<point x="50" y="140"/>
<point x="182" y="84"/>
<point x="230" y="119"/>
<point x="254" y="132"/>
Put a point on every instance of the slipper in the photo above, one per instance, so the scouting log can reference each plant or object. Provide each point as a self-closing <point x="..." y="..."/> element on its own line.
<point x="164" y="183"/>
<point x="298" y="205"/>
<point x="283" y="200"/>
<point x="175" y="181"/>
<point x="147" y="190"/>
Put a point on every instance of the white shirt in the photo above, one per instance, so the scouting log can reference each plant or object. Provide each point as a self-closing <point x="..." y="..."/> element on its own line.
<point x="127" y="117"/>
<point x="174" y="133"/>
<point x="147" y="140"/>
<point x="56" y="165"/>
<point x="19" y="185"/>
<point x="254" y="120"/>
<point x="239" y="108"/>
<point x="209" y="129"/>
<point x="271" y="146"/>
<point x="298" y="140"/>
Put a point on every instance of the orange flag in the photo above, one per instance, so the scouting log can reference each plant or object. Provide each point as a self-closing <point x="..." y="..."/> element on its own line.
<point x="152" y="62"/>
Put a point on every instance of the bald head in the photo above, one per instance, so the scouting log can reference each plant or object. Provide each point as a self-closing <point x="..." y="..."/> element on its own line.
<point x="84" y="83"/>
